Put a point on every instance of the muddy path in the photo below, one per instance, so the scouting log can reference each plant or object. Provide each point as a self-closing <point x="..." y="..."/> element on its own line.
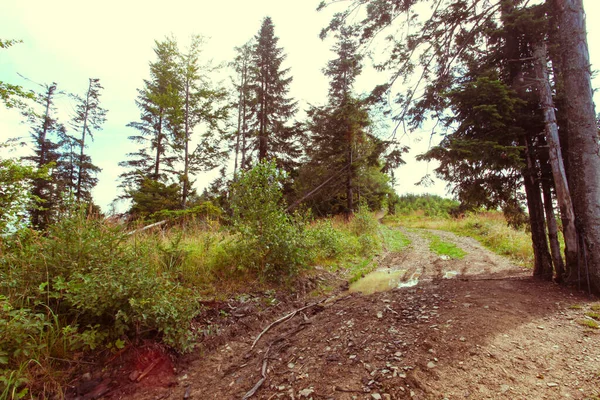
<point x="475" y="328"/>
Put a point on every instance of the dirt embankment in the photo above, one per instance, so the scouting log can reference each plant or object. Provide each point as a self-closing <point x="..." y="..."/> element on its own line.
<point x="476" y="328"/>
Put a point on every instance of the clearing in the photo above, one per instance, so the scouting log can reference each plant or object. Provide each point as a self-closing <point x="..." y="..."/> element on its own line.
<point x="424" y="327"/>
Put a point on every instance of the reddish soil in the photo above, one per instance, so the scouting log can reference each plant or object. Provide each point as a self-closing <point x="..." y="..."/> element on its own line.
<point x="490" y="331"/>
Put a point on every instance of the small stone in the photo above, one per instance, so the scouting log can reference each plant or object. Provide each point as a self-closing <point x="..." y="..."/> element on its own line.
<point x="87" y="376"/>
<point x="462" y="339"/>
<point x="379" y="314"/>
<point x="134" y="375"/>
<point x="376" y="396"/>
<point x="291" y="365"/>
<point x="540" y="327"/>
<point x="504" y="388"/>
<point x="430" y="364"/>
<point x="306" y="392"/>
<point x="352" y="357"/>
<point x="552" y="384"/>
<point x="387" y="396"/>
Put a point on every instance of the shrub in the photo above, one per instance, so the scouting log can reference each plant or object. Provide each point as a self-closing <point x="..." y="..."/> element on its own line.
<point x="271" y="242"/>
<point x="81" y="285"/>
<point x="325" y="241"/>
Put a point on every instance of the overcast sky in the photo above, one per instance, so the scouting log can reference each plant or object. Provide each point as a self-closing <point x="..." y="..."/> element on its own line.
<point x="69" y="41"/>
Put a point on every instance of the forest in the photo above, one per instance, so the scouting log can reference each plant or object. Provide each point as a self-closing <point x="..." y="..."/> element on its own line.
<point x="505" y="83"/>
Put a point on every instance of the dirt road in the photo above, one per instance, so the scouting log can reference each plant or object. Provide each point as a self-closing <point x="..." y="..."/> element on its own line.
<point x="475" y="328"/>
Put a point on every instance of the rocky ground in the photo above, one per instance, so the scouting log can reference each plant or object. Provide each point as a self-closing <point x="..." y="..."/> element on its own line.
<point x="475" y="328"/>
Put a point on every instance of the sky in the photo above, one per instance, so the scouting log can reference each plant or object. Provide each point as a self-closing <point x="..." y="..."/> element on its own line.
<point x="69" y="41"/>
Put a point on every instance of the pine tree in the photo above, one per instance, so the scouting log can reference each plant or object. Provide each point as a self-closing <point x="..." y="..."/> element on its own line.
<point x="271" y="107"/>
<point x="201" y="104"/>
<point x="89" y="117"/>
<point x="343" y="155"/>
<point x="48" y="135"/>
<point x="241" y="66"/>
<point x="160" y="119"/>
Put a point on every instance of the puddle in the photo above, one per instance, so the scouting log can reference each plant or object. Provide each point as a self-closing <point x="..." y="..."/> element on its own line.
<point x="409" y="283"/>
<point x="450" y="274"/>
<point x="378" y="281"/>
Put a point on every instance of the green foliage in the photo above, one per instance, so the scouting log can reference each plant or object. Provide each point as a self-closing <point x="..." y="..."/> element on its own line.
<point x="15" y="194"/>
<point x="270" y="242"/>
<point x="152" y="197"/>
<point x="429" y="205"/>
<point x="325" y="241"/>
<point x="13" y="95"/>
<point x="593" y="315"/>
<point x="393" y="239"/>
<point x="443" y="248"/>
<point x="589" y="323"/>
<point x="79" y="286"/>
<point x="205" y="211"/>
<point x="271" y="107"/>
<point x="363" y="222"/>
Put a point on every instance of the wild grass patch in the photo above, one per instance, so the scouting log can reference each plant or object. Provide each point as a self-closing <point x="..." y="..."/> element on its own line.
<point x="489" y="228"/>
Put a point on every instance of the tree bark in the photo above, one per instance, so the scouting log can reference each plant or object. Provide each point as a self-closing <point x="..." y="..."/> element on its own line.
<point x="543" y="260"/>
<point x="584" y="149"/>
<point x="82" y="144"/>
<point x="556" y="160"/>
<point x="559" y="266"/>
<point x="186" y="147"/>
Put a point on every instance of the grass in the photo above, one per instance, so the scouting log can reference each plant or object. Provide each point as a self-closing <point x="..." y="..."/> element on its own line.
<point x="576" y="307"/>
<point x="593" y="315"/>
<point x="442" y="248"/>
<point x="489" y="228"/>
<point x="595" y="307"/>
<point x="589" y="323"/>
<point x="394" y="240"/>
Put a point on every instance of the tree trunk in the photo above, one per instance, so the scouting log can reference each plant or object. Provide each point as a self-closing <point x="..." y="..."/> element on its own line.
<point x="262" y="138"/>
<point x="349" y="194"/>
<point x="82" y="144"/>
<point x="559" y="266"/>
<point x="158" y="143"/>
<point x="543" y="261"/>
<point x="186" y="148"/>
<point x="584" y="149"/>
<point x="239" y="124"/>
<point x="556" y="159"/>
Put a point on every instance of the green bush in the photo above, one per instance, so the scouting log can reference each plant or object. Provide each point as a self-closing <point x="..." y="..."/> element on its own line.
<point x="324" y="240"/>
<point x="364" y="222"/>
<point x="270" y="242"/>
<point x="80" y="285"/>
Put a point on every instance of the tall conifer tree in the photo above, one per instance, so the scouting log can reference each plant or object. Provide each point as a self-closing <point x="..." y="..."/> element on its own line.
<point x="271" y="107"/>
<point x="89" y="117"/>
<point x="160" y="119"/>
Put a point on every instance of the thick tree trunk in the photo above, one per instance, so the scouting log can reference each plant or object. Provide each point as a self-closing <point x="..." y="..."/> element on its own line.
<point x="543" y="260"/>
<point x="556" y="159"/>
<point x="584" y="149"/>
<point x="559" y="266"/>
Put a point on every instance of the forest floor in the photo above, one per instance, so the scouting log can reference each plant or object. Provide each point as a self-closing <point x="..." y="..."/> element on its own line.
<point x="438" y="328"/>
